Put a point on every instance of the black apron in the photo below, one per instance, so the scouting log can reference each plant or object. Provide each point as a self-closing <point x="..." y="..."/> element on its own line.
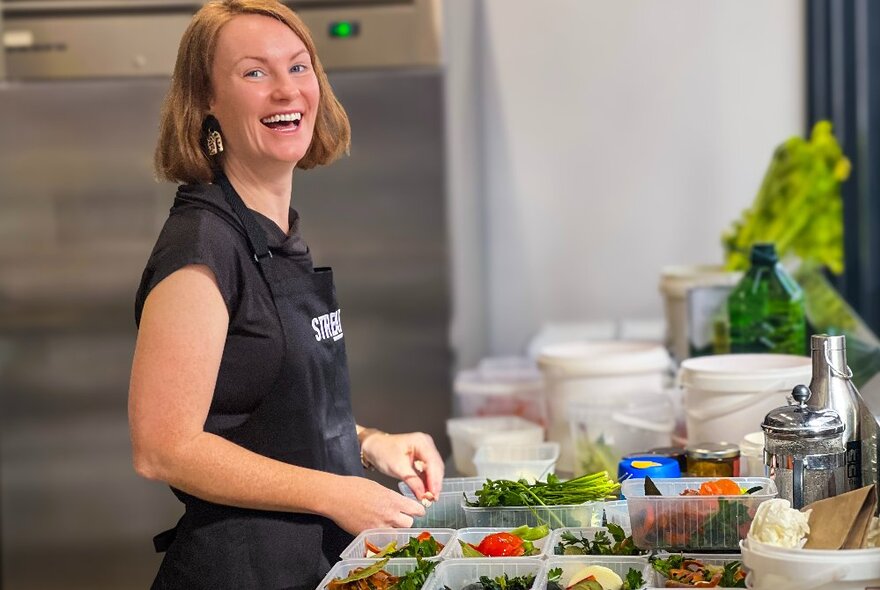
<point x="306" y="420"/>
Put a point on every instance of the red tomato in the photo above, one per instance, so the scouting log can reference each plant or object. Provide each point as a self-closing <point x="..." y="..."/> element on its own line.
<point x="423" y="536"/>
<point x="501" y="545"/>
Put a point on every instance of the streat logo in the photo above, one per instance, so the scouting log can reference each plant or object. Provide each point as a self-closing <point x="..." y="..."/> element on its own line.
<point x="328" y="326"/>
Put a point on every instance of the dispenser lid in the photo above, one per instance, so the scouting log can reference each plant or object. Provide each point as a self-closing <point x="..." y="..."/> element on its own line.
<point x="799" y="421"/>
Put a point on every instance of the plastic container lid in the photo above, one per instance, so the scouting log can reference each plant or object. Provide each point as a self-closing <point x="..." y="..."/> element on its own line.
<point x="651" y="465"/>
<point x="613" y="357"/>
<point x="743" y="373"/>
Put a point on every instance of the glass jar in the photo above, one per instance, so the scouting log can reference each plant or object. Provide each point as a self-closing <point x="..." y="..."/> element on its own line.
<point x="713" y="460"/>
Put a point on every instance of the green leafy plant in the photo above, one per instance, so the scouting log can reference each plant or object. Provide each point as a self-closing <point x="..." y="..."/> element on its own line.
<point x="798" y="206"/>
<point x="618" y="544"/>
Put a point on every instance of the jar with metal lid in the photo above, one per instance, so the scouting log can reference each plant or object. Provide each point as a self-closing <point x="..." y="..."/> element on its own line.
<point x="713" y="460"/>
<point x="805" y="451"/>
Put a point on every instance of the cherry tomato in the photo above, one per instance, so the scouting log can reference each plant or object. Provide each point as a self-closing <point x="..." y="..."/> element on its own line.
<point x="501" y="545"/>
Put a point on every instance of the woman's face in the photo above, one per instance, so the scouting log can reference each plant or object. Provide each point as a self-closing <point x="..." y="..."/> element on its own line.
<point x="265" y="92"/>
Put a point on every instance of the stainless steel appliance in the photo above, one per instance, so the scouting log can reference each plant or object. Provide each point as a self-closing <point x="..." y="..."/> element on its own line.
<point x="79" y="212"/>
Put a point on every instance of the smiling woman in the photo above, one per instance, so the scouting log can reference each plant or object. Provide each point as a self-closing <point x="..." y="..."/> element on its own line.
<point x="239" y="395"/>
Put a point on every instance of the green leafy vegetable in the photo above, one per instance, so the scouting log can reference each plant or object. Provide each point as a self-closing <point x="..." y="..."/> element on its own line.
<point x="554" y="575"/>
<point x="414" y="548"/>
<point x="503" y="582"/>
<point x="553" y="492"/>
<point x="673" y="562"/>
<point x="415" y="579"/>
<point x="619" y="544"/>
<point x="722" y="529"/>
<point x="634" y="580"/>
<point x="798" y="206"/>
<point x="732" y="576"/>
<point x="528" y="533"/>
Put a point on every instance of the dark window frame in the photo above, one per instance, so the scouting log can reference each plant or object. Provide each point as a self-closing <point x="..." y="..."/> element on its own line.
<point x="843" y="86"/>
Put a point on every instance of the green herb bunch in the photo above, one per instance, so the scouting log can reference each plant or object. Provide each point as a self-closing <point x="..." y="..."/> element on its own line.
<point x="553" y="492"/>
<point x="601" y="544"/>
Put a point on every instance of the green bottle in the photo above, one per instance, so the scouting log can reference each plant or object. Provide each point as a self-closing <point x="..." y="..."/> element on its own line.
<point x="766" y="308"/>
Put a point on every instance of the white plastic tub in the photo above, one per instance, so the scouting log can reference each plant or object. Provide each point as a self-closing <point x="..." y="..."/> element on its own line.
<point x="467" y="434"/>
<point x="751" y="455"/>
<point x="600" y="373"/>
<point x="381" y="537"/>
<point x="455" y="574"/>
<point x="530" y="462"/>
<point x="601" y="435"/>
<point x="446" y="511"/>
<point x="727" y="396"/>
<point x="474" y="535"/>
<point x="777" y="568"/>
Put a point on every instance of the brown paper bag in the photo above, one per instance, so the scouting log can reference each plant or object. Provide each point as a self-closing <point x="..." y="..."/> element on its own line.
<point x="842" y="522"/>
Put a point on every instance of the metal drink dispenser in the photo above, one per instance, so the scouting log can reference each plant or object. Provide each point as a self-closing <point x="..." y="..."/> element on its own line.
<point x="804" y="451"/>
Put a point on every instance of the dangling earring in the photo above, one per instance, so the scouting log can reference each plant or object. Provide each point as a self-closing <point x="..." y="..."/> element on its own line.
<point x="215" y="142"/>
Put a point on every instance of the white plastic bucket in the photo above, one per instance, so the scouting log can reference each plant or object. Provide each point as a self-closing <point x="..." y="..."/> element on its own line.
<point x="468" y="434"/>
<point x="605" y="374"/>
<point x="675" y="282"/>
<point x="727" y="396"/>
<point x="776" y="568"/>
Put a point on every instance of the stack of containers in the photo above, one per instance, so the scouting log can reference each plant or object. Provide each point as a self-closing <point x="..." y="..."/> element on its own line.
<point x="603" y="375"/>
<point x="502" y="386"/>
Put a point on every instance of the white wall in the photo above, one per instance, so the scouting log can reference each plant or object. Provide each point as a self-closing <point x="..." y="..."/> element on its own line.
<point x="592" y="142"/>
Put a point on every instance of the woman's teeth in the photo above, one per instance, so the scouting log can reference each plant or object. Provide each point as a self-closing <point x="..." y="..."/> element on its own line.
<point x="285" y="118"/>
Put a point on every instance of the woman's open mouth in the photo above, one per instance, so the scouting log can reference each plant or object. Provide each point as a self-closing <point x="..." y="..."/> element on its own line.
<point x="283" y="121"/>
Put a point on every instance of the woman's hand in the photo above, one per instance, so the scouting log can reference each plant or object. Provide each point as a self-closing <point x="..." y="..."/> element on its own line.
<point x="411" y="458"/>
<point x="365" y="504"/>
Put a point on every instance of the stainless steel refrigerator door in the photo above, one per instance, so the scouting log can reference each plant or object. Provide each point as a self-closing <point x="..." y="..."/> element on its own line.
<point x="79" y="213"/>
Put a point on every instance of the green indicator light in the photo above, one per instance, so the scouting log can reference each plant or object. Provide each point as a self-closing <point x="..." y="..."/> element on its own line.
<point x="343" y="29"/>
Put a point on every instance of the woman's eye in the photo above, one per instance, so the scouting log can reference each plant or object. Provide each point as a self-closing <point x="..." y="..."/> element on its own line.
<point x="298" y="69"/>
<point x="254" y="74"/>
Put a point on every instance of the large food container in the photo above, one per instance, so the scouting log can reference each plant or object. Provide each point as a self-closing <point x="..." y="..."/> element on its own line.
<point x="601" y="435"/>
<point x="468" y="434"/>
<point x="502" y="387"/>
<point x="446" y="511"/>
<point x="780" y="568"/>
<point x="718" y="559"/>
<point x="572" y="515"/>
<point x="617" y="512"/>
<point x="619" y="565"/>
<point x="474" y="535"/>
<point x="395" y="567"/>
<point x="599" y="373"/>
<point x="381" y="537"/>
<point x="692" y="523"/>
<point x="457" y="573"/>
<point x="530" y="462"/>
<point x="588" y="533"/>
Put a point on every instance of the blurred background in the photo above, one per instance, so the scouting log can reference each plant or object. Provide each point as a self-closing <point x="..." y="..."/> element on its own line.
<point x="514" y="164"/>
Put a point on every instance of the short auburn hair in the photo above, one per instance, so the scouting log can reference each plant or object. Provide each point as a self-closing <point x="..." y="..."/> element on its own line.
<point x="181" y="154"/>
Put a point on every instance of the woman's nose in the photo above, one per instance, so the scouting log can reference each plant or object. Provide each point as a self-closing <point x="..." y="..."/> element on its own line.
<point x="286" y="88"/>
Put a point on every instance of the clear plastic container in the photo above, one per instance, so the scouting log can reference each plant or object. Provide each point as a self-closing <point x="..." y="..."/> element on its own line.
<point x="342" y="569"/>
<point x="381" y="537"/>
<point x="717" y="559"/>
<point x="446" y="511"/>
<point x="573" y="515"/>
<point x="617" y="511"/>
<point x="505" y="386"/>
<point x="619" y="565"/>
<point x="455" y="574"/>
<point x="588" y="533"/>
<point x="602" y="435"/>
<point x="751" y="455"/>
<point x="467" y="434"/>
<point x="517" y="461"/>
<point x="692" y="523"/>
<point x="474" y="535"/>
